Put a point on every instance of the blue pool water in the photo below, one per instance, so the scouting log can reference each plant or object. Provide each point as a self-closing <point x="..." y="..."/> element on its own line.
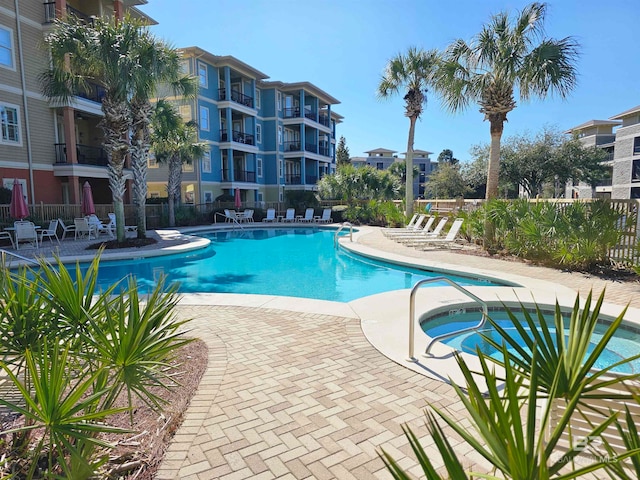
<point x="293" y="262"/>
<point x="625" y="343"/>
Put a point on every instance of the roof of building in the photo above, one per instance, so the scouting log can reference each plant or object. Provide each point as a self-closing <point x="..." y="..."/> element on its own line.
<point x="224" y="60"/>
<point x="381" y="150"/>
<point x="307" y="86"/>
<point x="626" y="113"/>
<point x="422" y="152"/>
<point x="592" y="123"/>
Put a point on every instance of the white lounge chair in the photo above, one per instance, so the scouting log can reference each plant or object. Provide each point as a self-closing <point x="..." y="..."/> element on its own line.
<point x="325" y="218"/>
<point x="448" y="240"/>
<point x="271" y="215"/>
<point x="66" y="228"/>
<point x="83" y="229"/>
<point x="25" y="232"/>
<point x="290" y="216"/>
<point x="112" y="225"/>
<point x="230" y="215"/>
<point x="99" y="227"/>
<point x="51" y="232"/>
<point x="407" y="236"/>
<point x="419" y="237"/>
<point x="7" y="236"/>
<point x="308" y="216"/>
<point x="410" y="228"/>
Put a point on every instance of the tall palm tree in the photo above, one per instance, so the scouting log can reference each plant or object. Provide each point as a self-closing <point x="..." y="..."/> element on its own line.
<point x="104" y="54"/>
<point x="506" y="56"/>
<point x="412" y="73"/>
<point x="175" y="142"/>
<point x="159" y="64"/>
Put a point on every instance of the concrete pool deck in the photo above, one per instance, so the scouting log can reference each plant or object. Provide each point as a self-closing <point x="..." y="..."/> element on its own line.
<point x="295" y="389"/>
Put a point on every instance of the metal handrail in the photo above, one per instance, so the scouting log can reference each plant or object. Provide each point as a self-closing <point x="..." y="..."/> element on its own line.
<point x="234" y="220"/>
<point x="4" y="253"/>
<point x="412" y="309"/>
<point x="335" y="237"/>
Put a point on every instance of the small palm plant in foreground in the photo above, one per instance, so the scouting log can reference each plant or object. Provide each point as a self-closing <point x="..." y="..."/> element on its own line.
<point x="517" y="426"/>
<point x="69" y="350"/>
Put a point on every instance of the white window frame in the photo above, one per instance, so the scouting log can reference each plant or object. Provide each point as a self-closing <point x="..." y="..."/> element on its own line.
<point x="280" y="135"/>
<point x="279" y="101"/>
<point x="259" y="167"/>
<point x="152" y="162"/>
<point x="202" y="68"/>
<point x="280" y="168"/>
<point x="187" y="167"/>
<point x="258" y="102"/>
<point x="11" y="48"/>
<point x="204" y="113"/>
<point x="18" y="125"/>
<point x="206" y="162"/>
<point x="258" y="133"/>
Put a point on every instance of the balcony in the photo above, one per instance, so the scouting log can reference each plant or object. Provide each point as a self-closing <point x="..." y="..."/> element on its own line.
<point x="293" y="112"/>
<point x="236" y="96"/>
<point x="310" y="179"/>
<point x="311" y="115"/>
<point x="238" y="176"/>
<point x="86" y="154"/>
<point x="293" y="146"/>
<point x="238" y="137"/>
<point x="293" y="179"/>
<point x="93" y="92"/>
<point x="311" y="147"/>
<point x="323" y="149"/>
<point x="50" y="13"/>
<point x="324" y="120"/>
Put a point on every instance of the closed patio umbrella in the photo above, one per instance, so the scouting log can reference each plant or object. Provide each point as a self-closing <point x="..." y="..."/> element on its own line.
<point x="88" y="208"/>
<point x="238" y="202"/>
<point x="18" y="207"/>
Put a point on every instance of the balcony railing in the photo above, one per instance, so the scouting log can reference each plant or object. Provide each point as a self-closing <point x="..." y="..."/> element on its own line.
<point x="311" y="147"/>
<point x="238" y="137"/>
<point x="323" y="149"/>
<point x="292" y="146"/>
<point x="93" y="92"/>
<point x="238" y="176"/>
<point x="236" y="96"/>
<point x="324" y="120"/>
<point x="50" y="13"/>
<point x="311" y="115"/>
<point x="311" y="179"/>
<point x="292" y="179"/>
<point x="607" y="182"/>
<point x="293" y="112"/>
<point x="86" y="155"/>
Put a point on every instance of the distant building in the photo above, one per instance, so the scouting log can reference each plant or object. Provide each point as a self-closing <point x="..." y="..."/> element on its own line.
<point x="382" y="158"/>
<point x="619" y="136"/>
<point x="264" y="136"/>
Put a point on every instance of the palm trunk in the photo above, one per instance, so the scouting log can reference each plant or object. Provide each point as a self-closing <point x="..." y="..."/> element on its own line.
<point x="409" y="169"/>
<point x="116" y="127"/>
<point x="142" y="111"/>
<point x="493" y="174"/>
<point x="173" y="186"/>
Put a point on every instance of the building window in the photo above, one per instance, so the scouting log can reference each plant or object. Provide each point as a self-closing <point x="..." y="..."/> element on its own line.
<point x="259" y="167"/>
<point x="279" y="101"/>
<point x="258" y="98"/>
<point x="154" y="195"/>
<point x="206" y="163"/>
<point x="636" y="146"/>
<point x="635" y="171"/>
<point x="187" y="167"/>
<point x="202" y="75"/>
<point x="380" y="166"/>
<point x="10" y="123"/>
<point x="258" y="133"/>
<point x="204" y="118"/>
<point x="280" y="168"/>
<point x="279" y="135"/>
<point x="152" y="162"/>
<point x="184" y="66"/>
<point x="6" y="47"/>
<point x="208" y="197"/>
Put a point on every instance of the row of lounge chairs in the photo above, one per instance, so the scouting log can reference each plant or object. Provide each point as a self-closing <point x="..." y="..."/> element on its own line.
<point x="291" y="217"/>
<point x="419" y="233"/>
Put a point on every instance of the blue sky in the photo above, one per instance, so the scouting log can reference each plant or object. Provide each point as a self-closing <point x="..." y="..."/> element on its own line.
<point x="342" y="46"/>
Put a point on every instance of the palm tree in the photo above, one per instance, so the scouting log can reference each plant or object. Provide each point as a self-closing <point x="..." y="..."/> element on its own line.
<point x="175" y="142"/>
<point x="412" y="72"/>
<point x="504" y="57"/>
<point x="159" y="64"/>
<point x="104" y="54"/>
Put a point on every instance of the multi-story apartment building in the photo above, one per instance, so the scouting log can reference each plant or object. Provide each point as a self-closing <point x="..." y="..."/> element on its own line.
<point x="382" y="158"/>
<point x="51" y="149"/>
<point x="620" y="137"/>
<point x="263" y="136"/>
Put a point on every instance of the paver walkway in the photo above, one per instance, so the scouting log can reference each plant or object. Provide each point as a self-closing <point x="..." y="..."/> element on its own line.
<point x="290" y="395"/>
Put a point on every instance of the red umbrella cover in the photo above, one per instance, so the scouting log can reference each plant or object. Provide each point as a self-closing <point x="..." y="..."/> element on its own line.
<point x="88" y="208"/>
<point x="238" y="202"/>
<point x="18" y="207"/>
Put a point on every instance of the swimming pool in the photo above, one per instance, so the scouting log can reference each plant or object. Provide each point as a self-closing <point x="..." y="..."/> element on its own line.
<point x="624" y="344"/>
<point x="298" y="262"/>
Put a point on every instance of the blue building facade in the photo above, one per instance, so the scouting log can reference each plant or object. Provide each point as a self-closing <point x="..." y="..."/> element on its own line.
<point x="264" y="137"/>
